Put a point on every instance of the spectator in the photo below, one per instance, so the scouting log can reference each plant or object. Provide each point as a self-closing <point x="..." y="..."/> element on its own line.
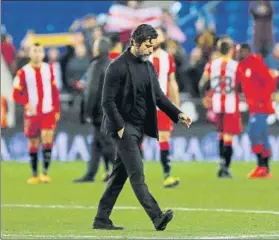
<point x="206" y="41"/>
<point x="194" y="72"/>
<point x="69" y="53"/>
<point x="117" y="46"/>
<point x="262" y="13"/>
<point x="53" y="59"/>
<point x="97" y="33"/>
<point x="196" y="55"/>
<point x="76" y="67"/>
<point x="22" y="58"/>
<point x="180" y="57"/>
<point x="88" y="25"/>
<point x="8" y="52"/>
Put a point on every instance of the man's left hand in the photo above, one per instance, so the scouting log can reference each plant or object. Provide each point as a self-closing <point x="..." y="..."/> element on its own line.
<point x="185" y="119"/>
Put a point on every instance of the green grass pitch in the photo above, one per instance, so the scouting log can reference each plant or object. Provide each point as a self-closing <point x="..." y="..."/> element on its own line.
<point x="204" y="206"/>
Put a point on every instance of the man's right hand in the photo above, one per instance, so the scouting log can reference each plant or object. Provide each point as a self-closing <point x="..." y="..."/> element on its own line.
<point x="185" y="119"/>
<point x="120" y="132"/>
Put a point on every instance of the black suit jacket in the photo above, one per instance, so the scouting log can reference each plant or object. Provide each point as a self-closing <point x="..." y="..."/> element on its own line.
<point x="92" y="95"/>
<point x="119" y="95"/>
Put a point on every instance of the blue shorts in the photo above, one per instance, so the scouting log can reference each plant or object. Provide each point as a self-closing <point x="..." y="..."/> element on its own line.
<point x="258" y="130"/>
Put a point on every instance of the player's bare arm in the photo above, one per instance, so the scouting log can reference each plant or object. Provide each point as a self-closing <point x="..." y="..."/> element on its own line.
<point x="203" y="86"/>
<point x="19" y="92"/>
<point x="168" y="107"/>
<point x="203" y="82"/>
<point x="174" y="96"/>
<point x="173" y="90"/>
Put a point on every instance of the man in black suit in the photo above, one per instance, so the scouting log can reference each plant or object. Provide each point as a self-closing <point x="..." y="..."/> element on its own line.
<point x="102" y="145"/>
<point x="131" y="93"/>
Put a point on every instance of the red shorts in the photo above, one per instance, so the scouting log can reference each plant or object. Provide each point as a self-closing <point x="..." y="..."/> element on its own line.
<point x="229" y="123"/>
<point x="164" y="122"/>
<point x="34" y="124"/>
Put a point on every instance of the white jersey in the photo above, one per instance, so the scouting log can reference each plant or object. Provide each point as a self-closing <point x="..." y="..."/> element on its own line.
<point x="224" y="78"/>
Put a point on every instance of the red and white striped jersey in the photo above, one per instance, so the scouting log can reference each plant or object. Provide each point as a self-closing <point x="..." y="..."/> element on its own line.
<point x="36" y="86"/>
<point x="164" y="66"/>
<point x="224" y="75"/>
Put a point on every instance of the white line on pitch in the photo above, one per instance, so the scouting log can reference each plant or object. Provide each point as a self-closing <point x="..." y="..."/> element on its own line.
<point x="41" y="236"/>
<point x="222" y="210"/>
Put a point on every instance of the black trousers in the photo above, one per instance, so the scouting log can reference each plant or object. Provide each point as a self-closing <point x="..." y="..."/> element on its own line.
<point x="128" y="164"/>
<point x="102" y="146"/>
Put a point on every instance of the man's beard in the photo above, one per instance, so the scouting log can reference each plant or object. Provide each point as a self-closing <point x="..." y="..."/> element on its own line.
<point x="143" y="57"/>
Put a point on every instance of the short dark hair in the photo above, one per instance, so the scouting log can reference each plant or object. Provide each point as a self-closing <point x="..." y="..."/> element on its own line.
<point x="114" y="38"/>
<point x="104" y="45"/>
<point x="245" y="46"/>
<point x="142" y="33"/>
<point x="224" y="46"/>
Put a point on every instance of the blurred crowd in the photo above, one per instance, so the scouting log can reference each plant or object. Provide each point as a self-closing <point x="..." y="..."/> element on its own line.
<point x="71" y="62"/>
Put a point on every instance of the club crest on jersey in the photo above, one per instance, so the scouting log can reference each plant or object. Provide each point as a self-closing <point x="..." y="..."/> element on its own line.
<point x="248" y="72"/>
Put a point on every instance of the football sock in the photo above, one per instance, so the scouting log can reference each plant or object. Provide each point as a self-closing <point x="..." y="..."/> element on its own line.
<point x="221" y="149"/>
<point x="227" y="153"/>
<point x="165" y="158"/>
<point x="260" y="160"/>
<point x="47" y="157"/>
<point x="258" y="150"/>
<point x="266" y="162"/>
<point x="34" y="162"/>
<point x="266" y="157"/>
